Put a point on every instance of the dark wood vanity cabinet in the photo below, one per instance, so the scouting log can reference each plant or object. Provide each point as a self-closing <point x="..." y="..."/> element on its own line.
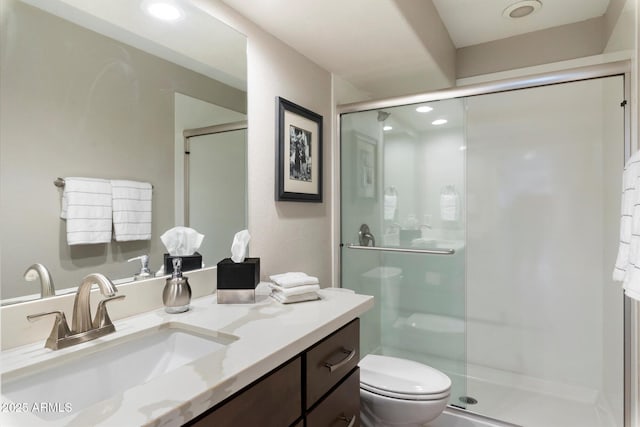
<point x="318" y="388"/>
<point x="332" y="391"/>
<point x="341" y="407"/>
<point x="274" y="400"/>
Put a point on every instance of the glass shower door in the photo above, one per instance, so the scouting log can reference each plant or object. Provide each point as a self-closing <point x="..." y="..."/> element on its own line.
<point x="523" y="187"/>
<point x="544" y="319"/>
<point x="403" y="232"/>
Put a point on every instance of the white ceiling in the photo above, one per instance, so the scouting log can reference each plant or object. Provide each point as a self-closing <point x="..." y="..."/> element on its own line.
<point x="371" y="45"/>
<point x="363" y="41"/>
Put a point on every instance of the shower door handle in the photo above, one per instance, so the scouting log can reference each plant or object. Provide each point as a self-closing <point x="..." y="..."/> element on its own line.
<point x="405" y="250"/>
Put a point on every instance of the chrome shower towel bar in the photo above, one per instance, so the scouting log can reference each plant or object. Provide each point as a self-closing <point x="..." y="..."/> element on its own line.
<point x="405" y="250"/>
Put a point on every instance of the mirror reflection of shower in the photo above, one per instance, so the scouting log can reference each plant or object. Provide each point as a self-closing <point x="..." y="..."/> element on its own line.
<point x="391" y="226"/>
<point x="382" y="116"/>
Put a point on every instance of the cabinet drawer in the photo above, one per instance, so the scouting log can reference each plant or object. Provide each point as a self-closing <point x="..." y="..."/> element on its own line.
<point x="330" y="360"/>
<point x="341" y="408"/>
<point x="274" y="401"/>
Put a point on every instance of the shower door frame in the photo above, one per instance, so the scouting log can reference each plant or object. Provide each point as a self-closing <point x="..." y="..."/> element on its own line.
<point x="610" y="69"/>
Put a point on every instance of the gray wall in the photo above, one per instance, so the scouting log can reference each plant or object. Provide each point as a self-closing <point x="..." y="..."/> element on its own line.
<point x="565" y="42"/>
<point x="540" y="47"/>
<point x="75" y="103"/>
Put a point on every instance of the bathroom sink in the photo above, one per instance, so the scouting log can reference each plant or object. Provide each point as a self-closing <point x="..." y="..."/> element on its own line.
<point x="89" y="375"/>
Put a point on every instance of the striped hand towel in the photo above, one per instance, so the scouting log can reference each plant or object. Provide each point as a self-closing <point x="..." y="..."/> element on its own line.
<point x="86" y="205"/>
<point x="131" y="210"/>
<point x="627" y="267"/>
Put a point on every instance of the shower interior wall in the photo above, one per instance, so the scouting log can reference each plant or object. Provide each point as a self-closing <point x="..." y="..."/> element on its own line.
<point x="547" y="302"/>
<point x="420" y="165"/>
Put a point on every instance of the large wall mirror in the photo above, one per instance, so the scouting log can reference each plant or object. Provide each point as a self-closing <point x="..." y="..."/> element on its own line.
<point x="105" y="90"/>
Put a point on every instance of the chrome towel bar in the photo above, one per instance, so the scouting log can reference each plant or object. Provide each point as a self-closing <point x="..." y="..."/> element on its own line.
<point x="59" y="182"/>
<point x="406" y="250"/>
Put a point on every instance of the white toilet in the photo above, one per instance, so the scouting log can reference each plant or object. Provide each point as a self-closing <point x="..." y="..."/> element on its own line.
<point x="400" y="392"/>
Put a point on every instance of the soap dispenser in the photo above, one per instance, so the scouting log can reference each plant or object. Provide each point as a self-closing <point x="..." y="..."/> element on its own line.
<point x="145" y="272"/>
<point x="177" y="292"/>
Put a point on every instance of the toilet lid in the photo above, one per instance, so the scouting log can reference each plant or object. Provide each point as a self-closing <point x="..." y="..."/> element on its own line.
<point x="394" y="377"/>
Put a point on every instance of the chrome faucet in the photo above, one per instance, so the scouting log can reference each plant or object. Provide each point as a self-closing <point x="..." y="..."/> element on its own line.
<point x="39" y="271"/>
<point x="365" y="237"/>
<point x="83" y="328"/>
<point x="82" y="303"/>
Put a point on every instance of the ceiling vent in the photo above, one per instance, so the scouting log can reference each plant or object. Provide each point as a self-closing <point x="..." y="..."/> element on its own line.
<point x="521" y="9"/>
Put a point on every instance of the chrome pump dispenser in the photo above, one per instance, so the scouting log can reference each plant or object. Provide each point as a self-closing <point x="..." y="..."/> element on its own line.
<point x="176" y="295"/>
<point x="145" y="272"/>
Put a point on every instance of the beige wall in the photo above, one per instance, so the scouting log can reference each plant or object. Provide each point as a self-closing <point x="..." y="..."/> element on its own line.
<point x="287" y="236"/>
<point x="621" y="29"/>
<point x="540" y="47"/>
<point x="565" y="42"/>
<point x="423" y="18"/>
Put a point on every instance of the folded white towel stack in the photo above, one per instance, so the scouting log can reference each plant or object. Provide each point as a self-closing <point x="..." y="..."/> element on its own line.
<point x="86" y="205"/>
<point x="627" y="268"/>
<point x="131" y="210"/>
<point x="292" y="279"/>
<point x="294" y="287"/>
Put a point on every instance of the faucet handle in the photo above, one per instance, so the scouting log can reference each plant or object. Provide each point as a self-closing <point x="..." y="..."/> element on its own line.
<point x="102" y="318"/>
<point x="60" y="328"/>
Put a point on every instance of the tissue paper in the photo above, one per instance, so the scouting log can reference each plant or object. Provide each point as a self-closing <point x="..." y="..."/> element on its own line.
<point x="182" y="241"/>
<point x="239" y="245"/>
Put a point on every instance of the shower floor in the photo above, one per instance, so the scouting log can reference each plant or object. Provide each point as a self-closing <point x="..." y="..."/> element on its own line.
<point x="452" y="417"/>
<point x="518" y="400"/>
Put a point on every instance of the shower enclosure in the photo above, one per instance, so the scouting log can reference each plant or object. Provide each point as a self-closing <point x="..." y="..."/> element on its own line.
<point x="485" y="222"/>
<point x="215" y="170"/>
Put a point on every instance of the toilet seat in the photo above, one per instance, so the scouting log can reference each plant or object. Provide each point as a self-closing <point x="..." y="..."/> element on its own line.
<point x="402" y="379"/>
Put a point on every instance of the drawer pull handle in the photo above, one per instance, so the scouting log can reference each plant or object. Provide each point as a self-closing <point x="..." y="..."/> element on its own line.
<point x="350" y="354"/>
<point x="351" y="421"/>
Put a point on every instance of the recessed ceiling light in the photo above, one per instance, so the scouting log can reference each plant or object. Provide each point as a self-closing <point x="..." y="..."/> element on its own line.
<point x="521" y="9"/>
<point x="424" y="109"/>
<point x="163" y="10"/>
<point x="439" y="122"/>
<point x="387" y="128"/>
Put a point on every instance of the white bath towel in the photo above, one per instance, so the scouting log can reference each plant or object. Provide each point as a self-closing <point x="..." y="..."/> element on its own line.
<point x="309" y="296"/>
<point x="390" y="207"/>
<point x="298" y="290"/>
<point x="449" y="206"/>
<point x="86" y="205"/>
<point x="293" y="279"/>
<point x="131" y="210"/>
<point x="627" y="267"/>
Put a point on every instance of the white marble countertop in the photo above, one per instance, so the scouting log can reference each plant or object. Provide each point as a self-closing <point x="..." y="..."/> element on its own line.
<point x="269" y="334"/>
